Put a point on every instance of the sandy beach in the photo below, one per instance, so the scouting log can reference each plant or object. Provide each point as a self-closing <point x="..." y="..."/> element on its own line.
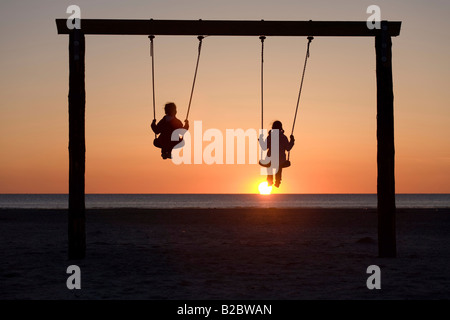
<point x="279" y="254"/>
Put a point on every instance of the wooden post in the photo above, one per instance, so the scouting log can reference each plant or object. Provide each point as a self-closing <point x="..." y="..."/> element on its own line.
<point x="77" y="148"/>
<point x="385" y="137"/>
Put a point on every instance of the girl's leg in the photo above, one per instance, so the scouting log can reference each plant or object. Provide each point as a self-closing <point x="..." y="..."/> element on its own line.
<point x="278" y="177"/>
<point x="270" y="179"/>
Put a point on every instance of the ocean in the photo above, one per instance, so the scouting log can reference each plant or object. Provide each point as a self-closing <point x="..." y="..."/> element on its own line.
<point x="170" y="201"/>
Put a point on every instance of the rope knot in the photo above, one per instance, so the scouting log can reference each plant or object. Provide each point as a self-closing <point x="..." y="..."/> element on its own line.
<point x="310" y="38"/>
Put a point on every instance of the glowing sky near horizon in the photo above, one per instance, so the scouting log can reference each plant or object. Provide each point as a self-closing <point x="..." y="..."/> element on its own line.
<point x="335" y="150"/>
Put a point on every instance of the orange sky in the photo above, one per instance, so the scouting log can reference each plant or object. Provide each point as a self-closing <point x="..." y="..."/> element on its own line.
<point x="335" y="149"/>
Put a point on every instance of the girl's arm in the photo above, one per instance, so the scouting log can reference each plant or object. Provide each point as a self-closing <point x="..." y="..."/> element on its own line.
<point x="156" y="127"/>
<point x="291" y="143"/>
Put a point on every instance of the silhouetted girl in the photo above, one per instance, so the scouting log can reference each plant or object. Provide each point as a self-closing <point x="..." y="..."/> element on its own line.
<point x="165" y="127"/>
<point x="283" y="146"/>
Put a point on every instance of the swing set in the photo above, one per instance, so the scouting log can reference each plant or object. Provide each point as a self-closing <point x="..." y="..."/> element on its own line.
<point x="385" y="99"/>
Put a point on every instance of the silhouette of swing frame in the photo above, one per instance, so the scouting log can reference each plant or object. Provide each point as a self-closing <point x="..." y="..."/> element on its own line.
<point x="386" y="209"/>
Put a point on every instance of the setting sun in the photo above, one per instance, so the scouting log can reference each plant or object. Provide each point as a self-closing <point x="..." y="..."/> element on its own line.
<point x="264" y="188"/>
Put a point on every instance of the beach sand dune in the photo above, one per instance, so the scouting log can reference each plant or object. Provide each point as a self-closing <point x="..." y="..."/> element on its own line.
<point x="281" y="254"/>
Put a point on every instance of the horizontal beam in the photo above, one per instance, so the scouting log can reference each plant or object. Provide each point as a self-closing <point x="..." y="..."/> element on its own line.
<point x="227" y="28"/>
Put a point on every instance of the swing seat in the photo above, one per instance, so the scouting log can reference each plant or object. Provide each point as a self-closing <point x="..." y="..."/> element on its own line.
<point x="156" y="143"/>
<point x="285" y="164"/>
<point x="175" y="144"/>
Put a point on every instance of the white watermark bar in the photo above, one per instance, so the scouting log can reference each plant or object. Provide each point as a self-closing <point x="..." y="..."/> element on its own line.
<point x="237" y="146"/>
<point x="74" y="20"/>
<point x="374" y="21"/>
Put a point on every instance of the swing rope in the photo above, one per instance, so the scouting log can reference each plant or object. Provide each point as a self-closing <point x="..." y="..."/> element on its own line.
<point x="200" y="39"/>
<point x="262" y="38"/>
<point x="262" y="80"/>
<point x="310" y="38"/>
<point x="152" y="55"/>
